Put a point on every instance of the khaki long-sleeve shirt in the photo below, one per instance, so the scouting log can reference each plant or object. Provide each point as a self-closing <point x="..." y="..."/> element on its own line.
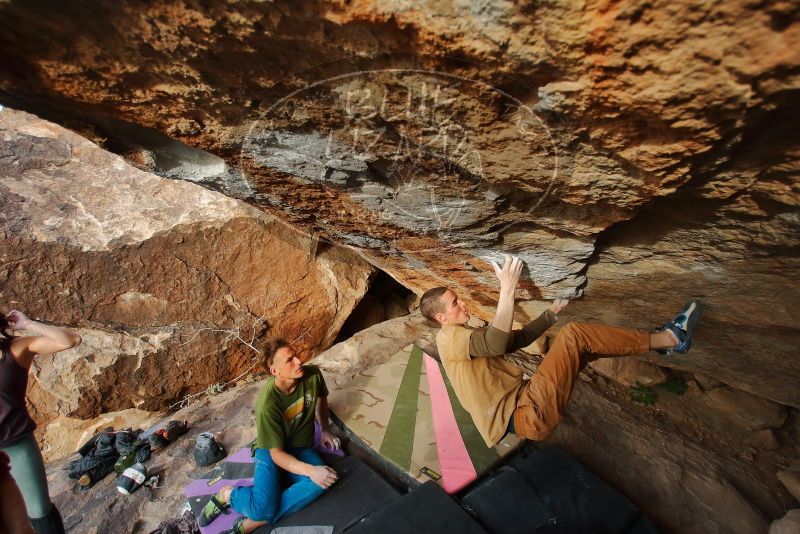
<point x="486" y="385"/>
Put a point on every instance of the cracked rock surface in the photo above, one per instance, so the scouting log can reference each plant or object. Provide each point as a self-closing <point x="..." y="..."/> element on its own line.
<point x="169" y="284"/>
<point x="633" y="154"/>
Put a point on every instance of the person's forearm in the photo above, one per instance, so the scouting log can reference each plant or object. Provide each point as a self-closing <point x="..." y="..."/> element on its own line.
<point x="59" y="335"/>
<point x="532" y="331"/>
<point x="322" y="415"/>
<point x="504" y="315"/>
<point x="287" y="462"/>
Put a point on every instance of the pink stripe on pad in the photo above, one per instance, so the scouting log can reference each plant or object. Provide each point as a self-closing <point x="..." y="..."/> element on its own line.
<point x="454" y="461"/>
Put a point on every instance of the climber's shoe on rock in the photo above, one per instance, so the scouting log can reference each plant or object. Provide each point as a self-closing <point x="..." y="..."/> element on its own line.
<point x="683" y="325"/>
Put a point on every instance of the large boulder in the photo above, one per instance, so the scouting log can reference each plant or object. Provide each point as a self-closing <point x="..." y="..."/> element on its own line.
<point x="171" y="286"/>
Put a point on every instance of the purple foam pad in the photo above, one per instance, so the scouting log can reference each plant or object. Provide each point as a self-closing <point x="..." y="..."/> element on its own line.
<point x="242" y="456"/>
<point x="198" y="488"/>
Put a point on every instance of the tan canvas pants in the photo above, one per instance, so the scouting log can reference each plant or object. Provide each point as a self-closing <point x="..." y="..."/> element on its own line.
<point x="542" y="400"/>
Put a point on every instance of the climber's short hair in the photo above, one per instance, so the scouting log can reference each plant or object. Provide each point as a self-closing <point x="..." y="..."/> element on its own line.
<point x="272" y="346"/>
<point x="431" y="303"/>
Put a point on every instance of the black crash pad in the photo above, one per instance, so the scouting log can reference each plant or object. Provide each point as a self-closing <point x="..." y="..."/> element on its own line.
<point x="425" y="510"/>
<point x="580" y="501"/>
<point x="643" y="525"/>
<point x="506" y="504"/>
<point x="358" y="492"/>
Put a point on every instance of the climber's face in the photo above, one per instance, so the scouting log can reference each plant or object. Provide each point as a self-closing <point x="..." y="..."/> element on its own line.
<point x="455" y="311"/>
<point x="286" y="364"/>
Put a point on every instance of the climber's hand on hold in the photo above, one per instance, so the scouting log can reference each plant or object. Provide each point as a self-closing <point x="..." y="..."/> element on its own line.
<point x="508" y="276"/>
<point x="558" y="305"/>
<point x="510" y="272"/>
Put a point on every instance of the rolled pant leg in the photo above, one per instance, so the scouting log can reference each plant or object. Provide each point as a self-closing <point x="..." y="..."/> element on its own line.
<point x="542" y="401"/>
<point x="260" y="501"/>
<point x="27" y="468"/>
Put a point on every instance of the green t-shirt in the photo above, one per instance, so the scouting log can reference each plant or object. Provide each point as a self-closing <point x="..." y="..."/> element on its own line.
<point x="284" y="421"/>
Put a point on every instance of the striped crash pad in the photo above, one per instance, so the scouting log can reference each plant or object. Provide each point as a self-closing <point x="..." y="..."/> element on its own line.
<point x="406" y="411"/>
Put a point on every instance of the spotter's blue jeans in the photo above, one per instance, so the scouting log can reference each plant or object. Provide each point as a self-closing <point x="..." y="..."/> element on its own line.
<point x="266" y="499"/>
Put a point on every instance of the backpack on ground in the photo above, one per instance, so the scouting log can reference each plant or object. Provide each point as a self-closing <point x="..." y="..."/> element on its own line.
<point x="207" y="450"/>
<point x="175" y="429"/>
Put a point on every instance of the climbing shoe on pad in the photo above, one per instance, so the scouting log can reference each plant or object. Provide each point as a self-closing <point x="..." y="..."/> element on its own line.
<point x="212" y="510"/>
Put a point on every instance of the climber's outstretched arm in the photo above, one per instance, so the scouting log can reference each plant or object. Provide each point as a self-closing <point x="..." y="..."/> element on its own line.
<point x="509" y="277"/>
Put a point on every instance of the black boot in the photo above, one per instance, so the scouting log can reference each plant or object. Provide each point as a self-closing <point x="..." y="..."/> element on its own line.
<point x="49" y="524"/>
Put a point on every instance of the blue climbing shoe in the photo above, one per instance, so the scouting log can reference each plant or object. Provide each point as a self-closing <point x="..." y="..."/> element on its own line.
<point x="683" y="325"/>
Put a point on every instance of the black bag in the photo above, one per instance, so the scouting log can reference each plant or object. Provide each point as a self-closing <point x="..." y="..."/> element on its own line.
<point x="97" y="457"/>
<point x="175" y="429"/>
<point x="207" y="450"/>
<point x="157" y="441"/>
<point x="143" y="454"/>
<point x="89" y="445"/>
<point x="127" y="442"/>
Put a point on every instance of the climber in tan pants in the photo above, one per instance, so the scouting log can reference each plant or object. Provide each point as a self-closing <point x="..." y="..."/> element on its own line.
<point x="493" y="390"/>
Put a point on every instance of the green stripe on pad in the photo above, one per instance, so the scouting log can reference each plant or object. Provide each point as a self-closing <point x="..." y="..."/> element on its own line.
<point x="398" y="442"/>
<point x="482" y="457"/>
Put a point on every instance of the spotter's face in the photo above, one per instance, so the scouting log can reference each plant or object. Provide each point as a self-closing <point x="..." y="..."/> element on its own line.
<point x="286" y="364"/>
<point x="455" y="311"/>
